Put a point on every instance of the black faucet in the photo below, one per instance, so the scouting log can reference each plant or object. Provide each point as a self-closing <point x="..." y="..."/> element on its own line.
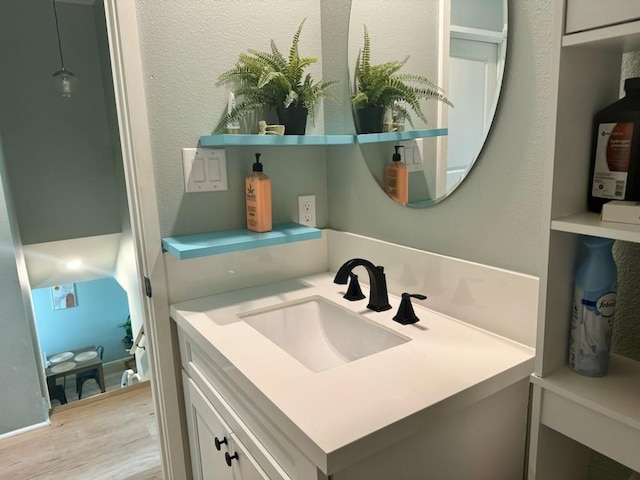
<point x="378" y="299"/>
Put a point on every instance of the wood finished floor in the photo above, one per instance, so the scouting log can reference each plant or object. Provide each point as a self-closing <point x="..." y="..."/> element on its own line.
<point x="109" y="437"/>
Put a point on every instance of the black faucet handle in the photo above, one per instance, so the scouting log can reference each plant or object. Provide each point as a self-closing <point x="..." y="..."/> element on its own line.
<point x="406" y="315"/>
<point x="353" y="290"/>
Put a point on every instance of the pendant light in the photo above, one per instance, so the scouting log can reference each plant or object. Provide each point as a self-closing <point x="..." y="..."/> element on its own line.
<point x="64" y="81"/>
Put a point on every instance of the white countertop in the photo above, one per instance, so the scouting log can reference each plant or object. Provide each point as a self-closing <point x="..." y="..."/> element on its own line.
<point x="446" y="366"/>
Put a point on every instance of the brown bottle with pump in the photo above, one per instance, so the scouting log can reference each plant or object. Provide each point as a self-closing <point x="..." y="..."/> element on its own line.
<point x="615" y="150"/>
<point x="396" y="179"/>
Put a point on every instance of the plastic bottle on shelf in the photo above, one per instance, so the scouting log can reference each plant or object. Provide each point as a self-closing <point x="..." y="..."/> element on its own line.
<point x="396" y="179"/>
<point x="615" y="157"/>
<point x="258" y="199"/>
<point x="594" y="306"/>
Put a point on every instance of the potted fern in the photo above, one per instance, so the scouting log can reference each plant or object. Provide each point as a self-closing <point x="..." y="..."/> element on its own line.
<point x="127" y="340"/>
<point x="271" y="81"/>
<point x="379" y="87"/>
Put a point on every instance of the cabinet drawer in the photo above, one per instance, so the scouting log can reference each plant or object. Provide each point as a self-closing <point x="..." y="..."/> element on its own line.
<point x="590" y="14"/>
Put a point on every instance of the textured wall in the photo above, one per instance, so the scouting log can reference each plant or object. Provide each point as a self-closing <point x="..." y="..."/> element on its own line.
<point x="494" y="218"/>
<point x="185" y="46"/>
<point x="58" y="151"/>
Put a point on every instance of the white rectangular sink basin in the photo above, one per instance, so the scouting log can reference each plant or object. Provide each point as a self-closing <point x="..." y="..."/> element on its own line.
<point x="321" y="334"/>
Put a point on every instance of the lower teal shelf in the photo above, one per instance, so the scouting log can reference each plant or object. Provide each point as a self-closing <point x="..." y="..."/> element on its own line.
<point x="204" y="244"/>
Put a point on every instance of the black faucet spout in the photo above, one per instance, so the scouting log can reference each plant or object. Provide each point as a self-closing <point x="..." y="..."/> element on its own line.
<point x="378" y="299"/>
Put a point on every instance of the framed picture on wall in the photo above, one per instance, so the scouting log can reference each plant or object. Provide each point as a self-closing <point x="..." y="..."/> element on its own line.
<point x="63" y="296"/>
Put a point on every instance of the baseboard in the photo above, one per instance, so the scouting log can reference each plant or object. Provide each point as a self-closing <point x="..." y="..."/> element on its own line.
<point x="117" y="365"/>
<point x="99" y="397"/>
<point x="20" y="431"/>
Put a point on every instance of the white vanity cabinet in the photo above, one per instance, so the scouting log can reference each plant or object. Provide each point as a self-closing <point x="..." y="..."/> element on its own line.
<point x="216" y="453"/>
<point x="572" y="414"/>
<point x="450" y="391"/>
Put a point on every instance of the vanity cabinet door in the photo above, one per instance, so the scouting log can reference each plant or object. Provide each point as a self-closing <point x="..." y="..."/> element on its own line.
<point x="206" y="431"/>
<point x="244" y="465"/>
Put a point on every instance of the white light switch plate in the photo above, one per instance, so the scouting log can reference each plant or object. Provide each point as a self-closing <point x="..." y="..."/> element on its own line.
<point x="205" y="170"/>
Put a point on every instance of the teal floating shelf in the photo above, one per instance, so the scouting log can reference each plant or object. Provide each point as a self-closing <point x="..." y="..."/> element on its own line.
<point x="397" y="136"/>
<point x="226" y="140"/>
<point x="204" y="244"/>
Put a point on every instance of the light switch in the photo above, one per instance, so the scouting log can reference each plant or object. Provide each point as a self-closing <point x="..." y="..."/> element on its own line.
<point x="197" y="172"/>
<point x="412" y="155"/>
<point x="205" y="170"/>
<point x="214" y="169"/>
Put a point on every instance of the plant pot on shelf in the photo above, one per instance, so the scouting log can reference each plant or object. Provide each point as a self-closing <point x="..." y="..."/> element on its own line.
<point x="371" y="119"/>
<point x="294" y="119"/>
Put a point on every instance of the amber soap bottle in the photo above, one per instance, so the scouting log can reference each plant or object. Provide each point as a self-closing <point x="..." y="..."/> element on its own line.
<point x="396" y="179"/>
<point x="258" y="195"/>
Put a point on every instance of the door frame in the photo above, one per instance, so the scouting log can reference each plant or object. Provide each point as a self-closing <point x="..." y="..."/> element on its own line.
<point x="133" y="125"/>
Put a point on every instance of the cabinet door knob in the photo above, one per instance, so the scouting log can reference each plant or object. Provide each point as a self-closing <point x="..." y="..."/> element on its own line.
<point x="228" y="458"/>
<point x="219" y="443"/>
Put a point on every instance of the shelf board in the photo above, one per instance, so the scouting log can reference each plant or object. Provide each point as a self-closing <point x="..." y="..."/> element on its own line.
<point x="229" y="140"/>
<point x="602" y="413"/>
<point x="397" y="136"/>
<point x="589" y="223"/>
<point x="214" y="243"/>
<point x="624" y="37"/>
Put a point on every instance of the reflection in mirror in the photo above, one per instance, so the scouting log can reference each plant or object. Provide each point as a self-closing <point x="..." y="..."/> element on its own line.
<point x="460" y="45"/>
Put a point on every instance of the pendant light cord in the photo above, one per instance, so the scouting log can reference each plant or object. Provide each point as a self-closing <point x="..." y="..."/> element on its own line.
<point x="55" y="14"/>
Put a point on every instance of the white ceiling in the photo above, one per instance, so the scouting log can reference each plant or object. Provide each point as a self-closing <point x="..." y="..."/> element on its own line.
<point x="47" y="262"/>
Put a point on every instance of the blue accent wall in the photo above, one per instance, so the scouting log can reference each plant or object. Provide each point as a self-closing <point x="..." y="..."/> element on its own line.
<point x="102" y="305"/>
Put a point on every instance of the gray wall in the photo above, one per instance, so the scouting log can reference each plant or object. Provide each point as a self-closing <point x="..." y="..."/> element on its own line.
<point x="494" y="218"/>
<point x="21" y="398"/>
<point x="59" y="151"/>
<point x="185" y="46"/>
<point x="59" y="158"/>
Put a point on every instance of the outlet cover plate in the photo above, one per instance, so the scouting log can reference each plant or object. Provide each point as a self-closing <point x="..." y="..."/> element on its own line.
<point x="205" y="170"/>
<point x="307" y="210"/>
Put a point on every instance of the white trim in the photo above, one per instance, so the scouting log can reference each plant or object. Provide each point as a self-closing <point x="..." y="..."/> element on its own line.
<point x="20" y="431"/>
<point x="130" y="98"/>
<point x="478" y="34"/>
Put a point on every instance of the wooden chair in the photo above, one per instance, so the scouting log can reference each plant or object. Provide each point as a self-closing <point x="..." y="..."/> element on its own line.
<point x="89" y="374"/>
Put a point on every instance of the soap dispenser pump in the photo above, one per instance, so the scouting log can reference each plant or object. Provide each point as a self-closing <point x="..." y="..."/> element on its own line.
<point x="258" y="199"/>
<point x="396" y="178"/>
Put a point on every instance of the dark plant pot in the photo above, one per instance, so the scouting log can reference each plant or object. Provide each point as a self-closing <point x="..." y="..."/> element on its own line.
<point x="294" y="119"/>
<point x="371" y="119"/>
<point x="127" y="342"/>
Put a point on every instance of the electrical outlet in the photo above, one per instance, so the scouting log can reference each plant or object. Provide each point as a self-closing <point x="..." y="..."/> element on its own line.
<point x="307" y="210"/>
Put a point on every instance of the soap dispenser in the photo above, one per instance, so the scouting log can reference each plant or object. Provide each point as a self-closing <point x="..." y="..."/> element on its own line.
<point x="258" y="195"/>
<point x="396" y="179"/>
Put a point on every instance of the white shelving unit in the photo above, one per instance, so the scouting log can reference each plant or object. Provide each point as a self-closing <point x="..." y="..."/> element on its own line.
<point x="572" y="414"/>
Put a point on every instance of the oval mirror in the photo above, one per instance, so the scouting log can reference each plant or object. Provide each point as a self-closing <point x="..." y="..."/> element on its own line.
<point x="460" y="46"/>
